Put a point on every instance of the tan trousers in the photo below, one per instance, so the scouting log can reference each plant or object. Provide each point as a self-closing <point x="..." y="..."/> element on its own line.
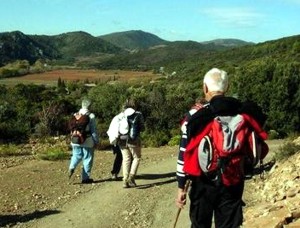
<point x="131" y="160"/>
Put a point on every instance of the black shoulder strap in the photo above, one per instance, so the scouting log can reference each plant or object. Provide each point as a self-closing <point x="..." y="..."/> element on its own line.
<point x="198" y="121"/>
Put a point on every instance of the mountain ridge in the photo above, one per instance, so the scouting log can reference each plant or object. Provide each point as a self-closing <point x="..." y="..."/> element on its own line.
<point x="79" y="43"/>
<point x="134" y="39"/>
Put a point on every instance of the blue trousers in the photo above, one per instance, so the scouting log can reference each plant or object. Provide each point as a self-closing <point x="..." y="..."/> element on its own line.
<point x="86" y="155"/>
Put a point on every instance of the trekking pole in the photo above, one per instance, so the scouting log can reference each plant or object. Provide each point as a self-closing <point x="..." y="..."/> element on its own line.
<point x="186" y="187"/>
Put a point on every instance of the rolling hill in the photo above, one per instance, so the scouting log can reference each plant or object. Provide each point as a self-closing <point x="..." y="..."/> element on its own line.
<point x="73" y="45"/>
<point x="16" y="45"/>
<point x="135" y="39"/>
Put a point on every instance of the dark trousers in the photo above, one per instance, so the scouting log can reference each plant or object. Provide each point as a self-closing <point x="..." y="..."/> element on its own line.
<point x="222" y="202"/>
<point x="118" y="159"/>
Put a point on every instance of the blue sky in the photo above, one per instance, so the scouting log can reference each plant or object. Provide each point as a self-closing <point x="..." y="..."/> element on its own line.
<point x="197" y="20"/>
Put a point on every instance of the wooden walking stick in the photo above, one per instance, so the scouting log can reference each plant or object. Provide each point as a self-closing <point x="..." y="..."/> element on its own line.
<point x="186" y="187"/>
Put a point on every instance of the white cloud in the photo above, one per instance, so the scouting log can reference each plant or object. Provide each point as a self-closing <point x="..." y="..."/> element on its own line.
<point x="291" y="1"/>
<point x="234" y="17"/>
<point x="295" y="3"/>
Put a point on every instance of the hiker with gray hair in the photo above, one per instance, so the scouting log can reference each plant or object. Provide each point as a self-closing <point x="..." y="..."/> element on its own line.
<point x="210" y="195"/>
<point x="84" y="151"/>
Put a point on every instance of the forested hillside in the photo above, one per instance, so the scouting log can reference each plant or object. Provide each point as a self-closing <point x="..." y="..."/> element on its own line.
<point x="132" y="40"/>
<point x="69" y="48"/>
<point x="268" y="73"/>
<point x="65" y="47"/>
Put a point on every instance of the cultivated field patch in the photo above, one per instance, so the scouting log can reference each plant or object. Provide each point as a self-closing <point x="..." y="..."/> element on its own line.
<point x="51" y="77"/>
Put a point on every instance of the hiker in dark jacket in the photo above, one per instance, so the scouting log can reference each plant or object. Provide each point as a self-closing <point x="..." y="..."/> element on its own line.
<point x="207" y="198"/>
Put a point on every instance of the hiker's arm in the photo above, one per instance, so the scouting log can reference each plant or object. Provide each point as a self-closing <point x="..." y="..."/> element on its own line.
<point x="93" y="127"/>
<point x="181" y="198"/>
<point x="180" y="174"/>
<point x="113" y="130"/>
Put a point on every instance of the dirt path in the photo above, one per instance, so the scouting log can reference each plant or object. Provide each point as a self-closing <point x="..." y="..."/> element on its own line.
<point x="151" y="204"/>
<point x="36" y="193"/>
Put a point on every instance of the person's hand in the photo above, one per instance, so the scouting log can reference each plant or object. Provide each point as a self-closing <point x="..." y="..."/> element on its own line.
<point x="181" y="198"/>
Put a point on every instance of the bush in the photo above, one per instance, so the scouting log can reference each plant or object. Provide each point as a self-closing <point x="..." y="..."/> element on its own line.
<point x="155" y="139"/>
<point x="13" y="150"/>
<point x="51" y="148"/>
<point x="41" y="130"/>
<point x="104" y="144"/>
<point x="174" y="141"/>
<point x="286" y="150"/>
<point x="13" y="131"/>
<point x="273" y="134"/>
<point x="54" y="154"/>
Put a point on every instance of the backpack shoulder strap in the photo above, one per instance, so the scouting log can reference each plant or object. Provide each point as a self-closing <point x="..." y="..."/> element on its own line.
<point x="256" y="127"/>
<point x="191" y="165"/>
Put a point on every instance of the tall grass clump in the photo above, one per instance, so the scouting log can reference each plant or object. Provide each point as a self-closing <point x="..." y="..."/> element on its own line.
<point x="286" y="150"/>
<point x="54" y="154"/>
<point x="52" y="149"/>
<point x="13" y="150"/>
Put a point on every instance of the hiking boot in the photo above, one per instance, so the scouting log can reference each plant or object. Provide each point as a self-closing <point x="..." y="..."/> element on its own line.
<point x="131" y="181"/>
<point x="125" y="184"/>
<point x="71" y="172"/>
<point x="114" y="176"/>
<point x="87" y="181"/>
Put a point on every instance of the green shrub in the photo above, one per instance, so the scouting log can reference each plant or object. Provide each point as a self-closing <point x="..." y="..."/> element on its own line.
<point x="104" y="144"/>
<point x="54" y="154"/>
<point x="52" y="148"/>
<point x="174" y="141"/>
<point x="175" y="132"/>
<point x="286" y="150"/>
<point x="48" y="140"/>
<point x="41" y="130"/>
<point x="13" y="131"/>
<point x="13" y="150"/>
<point x="272" y="134"/>
<point x="155" y="139"/>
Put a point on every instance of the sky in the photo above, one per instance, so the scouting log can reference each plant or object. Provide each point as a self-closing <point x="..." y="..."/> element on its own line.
<point x="172" y="20"/>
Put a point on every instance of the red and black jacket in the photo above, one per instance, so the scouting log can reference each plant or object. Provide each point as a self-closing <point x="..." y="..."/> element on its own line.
<point x="197" y="122"/>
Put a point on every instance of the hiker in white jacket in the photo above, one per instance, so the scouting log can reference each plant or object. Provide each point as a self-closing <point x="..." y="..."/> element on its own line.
<point x="113" y="134"/>
<point x="124" y="131"/>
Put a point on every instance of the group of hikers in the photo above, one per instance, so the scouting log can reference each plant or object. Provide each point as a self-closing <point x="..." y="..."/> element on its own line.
<point x="218" y="136"/>
<point x="124" y="136"/>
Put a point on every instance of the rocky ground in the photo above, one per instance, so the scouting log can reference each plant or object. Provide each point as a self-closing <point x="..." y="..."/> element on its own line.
<point x="37" y="193"/>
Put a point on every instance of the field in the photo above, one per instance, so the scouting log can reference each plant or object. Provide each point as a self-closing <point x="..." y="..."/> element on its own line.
<point x="51" y="77"/>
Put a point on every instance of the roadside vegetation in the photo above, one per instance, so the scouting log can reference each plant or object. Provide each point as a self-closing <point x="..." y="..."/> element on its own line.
<point x="267" y="73"/>
<point x="286" y="150"/>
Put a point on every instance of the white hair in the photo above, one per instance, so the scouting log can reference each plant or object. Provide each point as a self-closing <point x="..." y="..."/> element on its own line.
<point x="216" y="80"/>
<point x="85" y="103"/>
